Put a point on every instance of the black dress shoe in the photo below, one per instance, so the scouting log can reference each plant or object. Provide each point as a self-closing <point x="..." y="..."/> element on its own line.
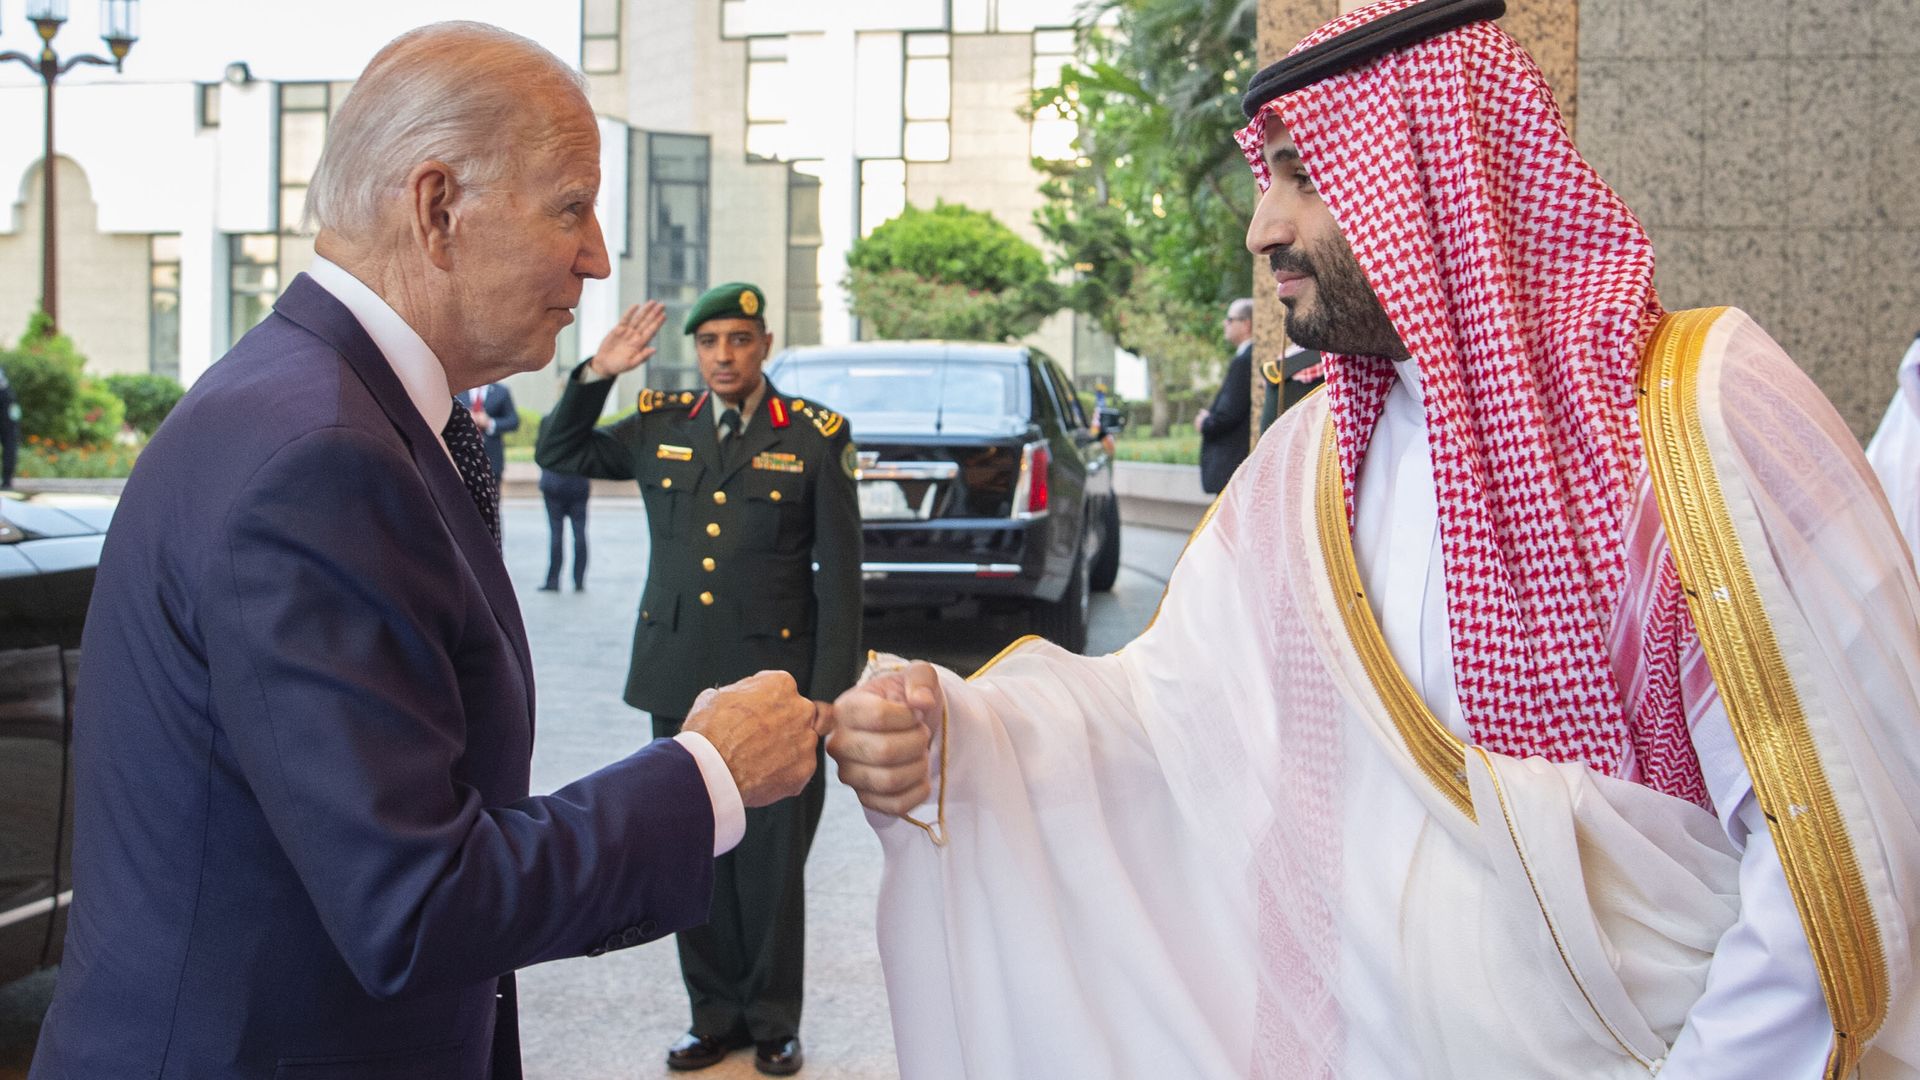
<point x="550" y="587"/>
<point x="778" y="1057"/>
<point x="699" y="1051"/>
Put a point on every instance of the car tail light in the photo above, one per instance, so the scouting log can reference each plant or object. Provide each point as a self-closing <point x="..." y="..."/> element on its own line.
<point x="1030" y="495"/>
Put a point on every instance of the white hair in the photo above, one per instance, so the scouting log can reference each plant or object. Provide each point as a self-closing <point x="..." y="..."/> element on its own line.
<point x="453" y="92"/>
<point x="1241" y="308"/>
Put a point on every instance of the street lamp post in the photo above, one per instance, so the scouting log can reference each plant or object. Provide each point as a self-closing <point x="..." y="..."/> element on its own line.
<point x="119" y="28"/>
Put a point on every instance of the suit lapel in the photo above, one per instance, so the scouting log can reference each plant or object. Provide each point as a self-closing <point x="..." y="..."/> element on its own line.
<point x="314" y="309"/>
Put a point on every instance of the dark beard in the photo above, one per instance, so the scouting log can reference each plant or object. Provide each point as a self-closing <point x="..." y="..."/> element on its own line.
<point x="1345" y="316"/>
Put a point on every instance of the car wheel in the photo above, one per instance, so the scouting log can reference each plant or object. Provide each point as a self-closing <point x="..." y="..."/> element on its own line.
<point x="1064" y="622"/>
<point x="1106" y="564"/>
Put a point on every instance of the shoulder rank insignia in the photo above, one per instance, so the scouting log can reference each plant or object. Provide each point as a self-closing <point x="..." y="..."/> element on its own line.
<point x="1271" y="371"/>
<point x="655" y="400"/>
<point x="829" y="423"/>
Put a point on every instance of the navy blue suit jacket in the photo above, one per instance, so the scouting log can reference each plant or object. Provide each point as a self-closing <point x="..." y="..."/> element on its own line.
<point x="304" y="845"/>
<point x="499" y="405"/>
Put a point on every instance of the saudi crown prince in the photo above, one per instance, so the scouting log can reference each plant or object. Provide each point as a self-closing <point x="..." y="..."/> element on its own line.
<point x="1574" y="660"/>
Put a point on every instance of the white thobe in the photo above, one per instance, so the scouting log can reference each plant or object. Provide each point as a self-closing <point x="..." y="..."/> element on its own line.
<point x="1763" y="1013"/>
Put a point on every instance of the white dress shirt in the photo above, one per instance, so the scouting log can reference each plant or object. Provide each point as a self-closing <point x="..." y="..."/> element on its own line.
<point x="425" y="381"/>
<point x="1762" y="1013"/>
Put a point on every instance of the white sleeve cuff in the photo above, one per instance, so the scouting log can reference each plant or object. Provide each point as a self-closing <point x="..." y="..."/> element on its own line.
<point x="588" y="375"/>
<point x="729" y="813"/>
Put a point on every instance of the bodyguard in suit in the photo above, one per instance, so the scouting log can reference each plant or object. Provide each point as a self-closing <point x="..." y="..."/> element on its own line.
<point x="746" y="491"/>
<point x="304" y="844"/>
<point x="1225" y="434"/>
<point x="491" y="407"/>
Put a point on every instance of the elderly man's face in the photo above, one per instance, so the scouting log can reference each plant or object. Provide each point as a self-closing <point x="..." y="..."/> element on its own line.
<point x="527" y="245"/>
<point x="1330" y="306"/>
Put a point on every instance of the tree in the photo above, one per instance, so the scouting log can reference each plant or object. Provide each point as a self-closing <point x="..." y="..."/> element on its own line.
<point x="58" y="402"/>
<point x="1150" y="217"/>
<point x="949" y="272"/>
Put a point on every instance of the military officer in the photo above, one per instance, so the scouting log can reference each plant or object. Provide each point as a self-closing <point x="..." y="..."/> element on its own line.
<point x="746" y="491"/>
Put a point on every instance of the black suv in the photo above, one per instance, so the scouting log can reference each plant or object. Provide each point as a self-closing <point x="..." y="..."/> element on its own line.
<point x="980" y="476"/>
<point x="49" y="547"/>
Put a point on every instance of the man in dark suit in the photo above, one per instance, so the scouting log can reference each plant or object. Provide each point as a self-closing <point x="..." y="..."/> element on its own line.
<point x="566" y="496"/>
<point x="1225" y="434"/>
<point x="491" y="407"/>
<point x="746" y="492"/>
<point x="304" y="843"/>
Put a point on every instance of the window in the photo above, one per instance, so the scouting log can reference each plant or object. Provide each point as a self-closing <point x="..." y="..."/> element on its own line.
<point x="927" y="97"/>
<point x="304" y="108"/>
<point x="677" y="209"/>
<point x="804" y="239"/>
<point x="767" y="98"/>
<point x="253" y="280"/>
<point x="883" y="192"/>
<point x="206" y="105"/>
<point x="163" y="304"/>
<point x="600" y="36"/>
<point x="1054" y="127"/>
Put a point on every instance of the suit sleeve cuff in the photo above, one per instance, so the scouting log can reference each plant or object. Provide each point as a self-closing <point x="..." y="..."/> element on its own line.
<point x="729" y="813"/>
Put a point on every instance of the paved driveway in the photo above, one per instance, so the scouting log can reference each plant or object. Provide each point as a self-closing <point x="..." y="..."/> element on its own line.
<point x="613" y="1017"/>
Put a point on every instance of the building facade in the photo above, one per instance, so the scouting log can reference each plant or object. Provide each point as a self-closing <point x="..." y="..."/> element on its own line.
<point x="741" y="139"/>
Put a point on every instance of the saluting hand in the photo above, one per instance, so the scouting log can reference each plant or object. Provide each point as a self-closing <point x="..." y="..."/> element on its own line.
<point x="879" y="733"/>
<point x="630" y="343"/>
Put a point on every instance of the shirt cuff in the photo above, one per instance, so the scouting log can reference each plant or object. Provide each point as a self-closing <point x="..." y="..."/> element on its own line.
<point x="588" y="375"/>
<point x="729" y="813"/>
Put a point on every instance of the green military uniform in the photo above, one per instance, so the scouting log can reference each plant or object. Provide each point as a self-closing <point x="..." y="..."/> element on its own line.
<point x="732" y="590"/>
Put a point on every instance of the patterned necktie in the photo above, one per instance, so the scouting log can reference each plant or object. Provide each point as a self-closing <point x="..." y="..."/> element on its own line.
<point x="470" y="457"/>
<point x="729" y="436"/>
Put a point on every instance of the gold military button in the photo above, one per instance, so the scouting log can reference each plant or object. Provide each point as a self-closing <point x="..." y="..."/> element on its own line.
<point x="707" y="564"/>
<point x="774" y="495"/>
<point x="706" y="599"/>
<point x="720" y="498"/>
<point x="785" y="633"/>
<point x="645" y="614"/>
<point x="713" y="529"/>
<point x="667" y="483"/>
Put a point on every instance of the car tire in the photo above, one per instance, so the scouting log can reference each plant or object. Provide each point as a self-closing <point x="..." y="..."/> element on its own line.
<point x="1064" y="621"/>
<point x="1106" y="564"/>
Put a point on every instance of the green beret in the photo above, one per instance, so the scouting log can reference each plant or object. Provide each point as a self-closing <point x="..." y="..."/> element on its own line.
<point x="734" y="300"/>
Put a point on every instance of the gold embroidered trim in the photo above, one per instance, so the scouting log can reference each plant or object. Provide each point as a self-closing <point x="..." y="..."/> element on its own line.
<point x="1757" y="689"/>
<point x="1439" y="752"/>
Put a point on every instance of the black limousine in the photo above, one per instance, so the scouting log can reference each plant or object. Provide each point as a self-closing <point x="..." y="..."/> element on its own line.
<point x="980" y="476"/>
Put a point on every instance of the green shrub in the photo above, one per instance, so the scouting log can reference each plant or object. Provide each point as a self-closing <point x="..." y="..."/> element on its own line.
<point x="949" y="272"/>
<point x="58" y="403"/>
<point x="41" y="460"/>
<point x="527" y="433"/>
<point x="148" y="398"/>
<point x="44" y="387"/>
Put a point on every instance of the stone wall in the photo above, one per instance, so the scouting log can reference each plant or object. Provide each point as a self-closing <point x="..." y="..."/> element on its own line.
<point x="1771" y="148"/>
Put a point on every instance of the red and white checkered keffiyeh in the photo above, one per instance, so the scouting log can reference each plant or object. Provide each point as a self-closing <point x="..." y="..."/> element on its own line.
<point x="1523" y="287"/>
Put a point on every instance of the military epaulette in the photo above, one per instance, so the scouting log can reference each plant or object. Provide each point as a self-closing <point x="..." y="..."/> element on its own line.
<point x="656" y="400"/>
<point x="1271" y="370"/>
<point x="827" y="421"/>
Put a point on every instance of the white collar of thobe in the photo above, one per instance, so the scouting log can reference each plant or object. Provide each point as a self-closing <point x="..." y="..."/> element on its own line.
<point x="414" y="364"/>
<point x="1408" y="372"/>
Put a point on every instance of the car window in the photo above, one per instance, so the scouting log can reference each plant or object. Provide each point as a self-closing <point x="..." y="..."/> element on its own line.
<point x="1069" y="399"/>
<point x="889" y="395"/>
